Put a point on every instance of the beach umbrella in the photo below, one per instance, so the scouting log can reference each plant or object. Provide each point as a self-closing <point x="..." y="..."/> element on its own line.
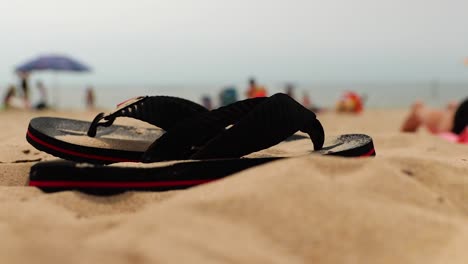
<point x="54" y="63"/>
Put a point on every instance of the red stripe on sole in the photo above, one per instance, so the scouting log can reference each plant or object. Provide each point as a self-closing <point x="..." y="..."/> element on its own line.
<point x="90" y="184"/>
<point x="77" y="154"/>
<point x="368" y="154"/>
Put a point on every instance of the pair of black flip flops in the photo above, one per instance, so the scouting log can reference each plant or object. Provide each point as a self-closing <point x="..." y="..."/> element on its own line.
<point x="208" y="145"/>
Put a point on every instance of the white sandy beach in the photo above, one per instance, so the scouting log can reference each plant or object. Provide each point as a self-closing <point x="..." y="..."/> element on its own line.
<point x="409" y="204"/>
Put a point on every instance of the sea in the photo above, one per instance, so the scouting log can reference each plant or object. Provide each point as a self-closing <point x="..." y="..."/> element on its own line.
<point x="378" y="94"/>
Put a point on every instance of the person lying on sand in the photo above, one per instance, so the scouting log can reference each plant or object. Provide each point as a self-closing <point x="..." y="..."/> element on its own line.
<point x="451" y="122"/>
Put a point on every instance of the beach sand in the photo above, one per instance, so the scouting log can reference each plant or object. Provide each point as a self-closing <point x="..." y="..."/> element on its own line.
<point x="407" y="205"/>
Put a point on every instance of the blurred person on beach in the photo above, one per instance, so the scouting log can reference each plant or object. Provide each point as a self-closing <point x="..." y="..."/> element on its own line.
<point x="11" y="101"/>
<point x="450" y="123"/>
<point x="307" y="103"/>
<point x="206" y="102"/>
<point x="42" y="104"/>
<point x="228" y="96"/>
<point x="289" y="90"/>
<point x="90" y="98"/>
<point x="255" y="90"/>
<point x="350" y="102"/>
<point x="24" y="76"/>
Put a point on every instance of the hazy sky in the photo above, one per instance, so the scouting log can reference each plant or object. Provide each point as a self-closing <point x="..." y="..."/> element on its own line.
<point x="215" y="41"/>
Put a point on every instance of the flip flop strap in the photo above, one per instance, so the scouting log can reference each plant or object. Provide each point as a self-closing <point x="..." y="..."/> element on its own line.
<point x="267" y="125"/>
<point x="161" y="111"/>
<point x="258" y="123"/>
<point x="186" y="137"/>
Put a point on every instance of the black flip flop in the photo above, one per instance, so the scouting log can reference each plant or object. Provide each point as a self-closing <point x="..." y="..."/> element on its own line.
<point x="53" y="176"/>
<point x="82" y="141"/>
<point x="188" y="131"/>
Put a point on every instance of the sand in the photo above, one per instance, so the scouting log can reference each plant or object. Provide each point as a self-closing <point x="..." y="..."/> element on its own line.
<point x="407" y="205"/>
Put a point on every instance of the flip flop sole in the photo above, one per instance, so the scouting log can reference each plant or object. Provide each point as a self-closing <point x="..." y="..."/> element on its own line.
<point x="67" y="139"/>
<point x="52" y="176"/>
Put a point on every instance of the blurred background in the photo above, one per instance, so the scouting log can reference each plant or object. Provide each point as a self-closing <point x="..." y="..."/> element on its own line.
<point x="393" y="52"/>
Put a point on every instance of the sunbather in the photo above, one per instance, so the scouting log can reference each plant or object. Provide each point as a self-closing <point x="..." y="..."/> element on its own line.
<point x="450" y="122"/>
